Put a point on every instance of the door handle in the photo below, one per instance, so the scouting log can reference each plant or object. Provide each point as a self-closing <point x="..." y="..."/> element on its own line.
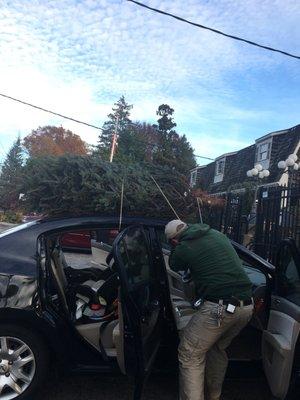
<point x="277" y="302"/>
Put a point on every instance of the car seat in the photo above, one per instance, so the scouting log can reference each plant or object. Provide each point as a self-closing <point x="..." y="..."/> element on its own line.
<point x="78" y="297"/>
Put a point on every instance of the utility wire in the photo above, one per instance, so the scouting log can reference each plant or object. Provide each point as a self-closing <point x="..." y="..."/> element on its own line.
<point x="214" y="30"/>
<point x="206" y="158"/>
<point x="50" y="112"/>
<point x="76" y="120"/>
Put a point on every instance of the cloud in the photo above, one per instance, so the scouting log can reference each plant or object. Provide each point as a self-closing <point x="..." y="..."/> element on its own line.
<point x="79" y="57"/>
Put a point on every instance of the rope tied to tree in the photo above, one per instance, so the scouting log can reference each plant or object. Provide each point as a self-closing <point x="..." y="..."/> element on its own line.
<point x="199" y="210"/>
<point x="165" y="197"/>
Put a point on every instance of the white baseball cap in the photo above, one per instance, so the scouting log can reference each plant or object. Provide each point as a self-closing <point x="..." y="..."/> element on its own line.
<point x="174" y="228"/>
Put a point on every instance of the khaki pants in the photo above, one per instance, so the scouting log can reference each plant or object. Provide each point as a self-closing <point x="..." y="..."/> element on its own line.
<point x="202" y="355"/>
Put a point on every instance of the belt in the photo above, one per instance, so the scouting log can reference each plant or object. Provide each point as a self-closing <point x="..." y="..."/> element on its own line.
<point x="240" y="303"/>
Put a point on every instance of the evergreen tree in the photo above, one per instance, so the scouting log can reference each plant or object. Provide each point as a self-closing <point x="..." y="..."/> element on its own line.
<point x="11" y="177"/>
<point x="118" y="118"/>
<point x="165" y="122"/>
<point x="137" y="143"/>
<point x="173" y="150"/>
<point x="78" y="185"/>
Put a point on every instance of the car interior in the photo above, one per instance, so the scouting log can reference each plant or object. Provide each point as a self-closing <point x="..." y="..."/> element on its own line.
<point x="89" y="295"/>
<point x="87" y="292"/>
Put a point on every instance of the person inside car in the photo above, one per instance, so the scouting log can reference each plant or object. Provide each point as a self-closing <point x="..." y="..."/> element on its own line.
<point x="224" y="305"/>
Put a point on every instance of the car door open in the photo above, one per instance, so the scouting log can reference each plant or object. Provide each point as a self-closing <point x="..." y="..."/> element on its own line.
<point x="140" y="305"/>
<point x="280" y="337"/>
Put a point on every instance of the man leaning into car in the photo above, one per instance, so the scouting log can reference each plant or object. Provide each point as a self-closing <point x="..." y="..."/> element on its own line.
<point x="224" y="306"/>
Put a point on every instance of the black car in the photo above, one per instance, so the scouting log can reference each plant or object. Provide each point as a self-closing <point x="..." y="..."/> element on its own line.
<point x="124" y="312"/>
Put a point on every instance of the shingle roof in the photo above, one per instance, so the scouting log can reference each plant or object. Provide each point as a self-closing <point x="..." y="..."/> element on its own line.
<point x="236" y="165"/>
<point x="282" y="146"/>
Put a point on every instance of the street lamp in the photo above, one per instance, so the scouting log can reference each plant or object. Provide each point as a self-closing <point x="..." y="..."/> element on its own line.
<point x="290" y="163"/>
<point x="258" y="171"/>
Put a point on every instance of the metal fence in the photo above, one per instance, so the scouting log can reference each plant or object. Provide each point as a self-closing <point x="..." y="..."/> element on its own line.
<point x="229" y="218"/>
<point x="234" y="221"/>
<point x="278" y="217"/>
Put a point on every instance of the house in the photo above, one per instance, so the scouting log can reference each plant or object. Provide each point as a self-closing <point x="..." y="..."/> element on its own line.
<point x="229" y="171"/>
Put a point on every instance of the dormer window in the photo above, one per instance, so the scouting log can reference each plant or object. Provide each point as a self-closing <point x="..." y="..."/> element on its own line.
<point x="220" y="169"/>
<point x="263" y="153"/>
<point x="193" y="179"/>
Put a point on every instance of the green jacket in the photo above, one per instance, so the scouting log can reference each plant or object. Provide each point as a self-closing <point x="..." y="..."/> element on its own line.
<point x="215" y="266"/>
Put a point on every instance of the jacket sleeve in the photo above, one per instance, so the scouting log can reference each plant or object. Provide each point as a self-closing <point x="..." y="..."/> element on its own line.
<point x="177" y="261"/>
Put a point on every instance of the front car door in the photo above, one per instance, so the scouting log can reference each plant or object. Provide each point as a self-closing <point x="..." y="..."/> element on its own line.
<point x="140" y="304"/>
<point x="282" y="333"/>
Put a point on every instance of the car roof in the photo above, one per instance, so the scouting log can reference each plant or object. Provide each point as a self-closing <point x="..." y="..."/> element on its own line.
<point x="18" y="246"/>
<point x="48" y="224"/>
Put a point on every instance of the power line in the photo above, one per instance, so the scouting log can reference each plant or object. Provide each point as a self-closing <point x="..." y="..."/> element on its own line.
<point x="206" y="158"/>
<point x="51" y="112"/>
<point x="76" y="120"/>
<point x="215" y="30"/>
<point x="2" y="150"/>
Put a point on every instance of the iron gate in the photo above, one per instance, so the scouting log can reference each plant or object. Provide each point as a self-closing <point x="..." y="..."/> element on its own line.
<point x="278" y="217"/>
<point x="229" y="218"/>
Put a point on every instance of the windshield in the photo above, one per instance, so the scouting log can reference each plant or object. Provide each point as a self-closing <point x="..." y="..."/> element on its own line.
<point x="17" y="228"/>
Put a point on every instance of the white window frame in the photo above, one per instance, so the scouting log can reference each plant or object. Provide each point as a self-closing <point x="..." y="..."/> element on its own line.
<point x="219" y="172"/>
<point x="193" y="178"/>
<point x="263" y="153"/>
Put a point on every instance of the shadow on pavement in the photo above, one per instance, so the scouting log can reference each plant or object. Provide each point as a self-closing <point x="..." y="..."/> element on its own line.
<point x="159" y="387"/>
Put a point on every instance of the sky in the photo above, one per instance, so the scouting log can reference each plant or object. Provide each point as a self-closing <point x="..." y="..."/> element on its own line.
<point x="77" y="57"/>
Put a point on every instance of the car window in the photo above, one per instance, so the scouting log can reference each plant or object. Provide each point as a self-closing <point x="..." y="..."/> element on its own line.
<point x="289" y="277"/>
<point x="256" y="277"/>
<point x="135" y="256"/>
<point x="17" y="228"/>
<point x="87" y="248"/>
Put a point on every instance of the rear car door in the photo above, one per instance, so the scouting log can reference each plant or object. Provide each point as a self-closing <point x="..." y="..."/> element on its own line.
<point x="140" y="304"/>
<point x="282" y="333"/>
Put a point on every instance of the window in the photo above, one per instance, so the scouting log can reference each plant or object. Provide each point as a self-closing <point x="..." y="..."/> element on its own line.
<point x="263" y="153"/>
<point x="135" y="256"/>
<point x="220" y="169"/>
<point x="289" y="275"/>
<point x="193" y="180"/>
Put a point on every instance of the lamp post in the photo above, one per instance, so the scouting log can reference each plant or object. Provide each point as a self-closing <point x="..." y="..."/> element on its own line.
<point x="290" y="164"/>
<point x="290" y="167"/>
<point x="258" y="172"/>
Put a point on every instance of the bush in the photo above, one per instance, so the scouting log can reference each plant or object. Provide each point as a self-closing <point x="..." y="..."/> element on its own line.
<point x="11" y="217"/>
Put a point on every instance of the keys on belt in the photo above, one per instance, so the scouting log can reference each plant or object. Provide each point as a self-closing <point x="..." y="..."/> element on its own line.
<point x="235" y="302"/>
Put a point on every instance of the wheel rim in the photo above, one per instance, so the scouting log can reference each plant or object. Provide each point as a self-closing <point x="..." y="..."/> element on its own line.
<point x="17" y="367"/>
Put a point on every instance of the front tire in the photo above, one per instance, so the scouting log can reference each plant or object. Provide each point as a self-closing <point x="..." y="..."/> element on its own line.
<point x="24" y="361"/>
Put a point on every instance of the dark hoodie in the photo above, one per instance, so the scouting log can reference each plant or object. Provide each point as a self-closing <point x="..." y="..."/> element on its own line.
<point x="214" y="264"/>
